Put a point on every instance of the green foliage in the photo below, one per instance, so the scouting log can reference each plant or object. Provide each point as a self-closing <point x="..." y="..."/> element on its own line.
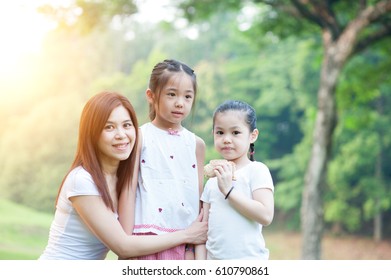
<point x="341" y="212"/>
<point x="87" y="15"/>
<point x="202" y="9"/>
<point x="279" y="78"/>
<point x="362" y="97"/>
<point x="358" y="172"/>
<point x="43" y="143"/>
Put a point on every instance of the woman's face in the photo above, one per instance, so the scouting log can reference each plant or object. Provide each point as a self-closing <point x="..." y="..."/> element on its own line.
<point x="117" y="139"/>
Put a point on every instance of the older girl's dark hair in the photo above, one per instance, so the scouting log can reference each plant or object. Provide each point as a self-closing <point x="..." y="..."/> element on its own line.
<point x="93" y="119"/>
<point x="241" y="106"/>
<point x="161" y="74"/>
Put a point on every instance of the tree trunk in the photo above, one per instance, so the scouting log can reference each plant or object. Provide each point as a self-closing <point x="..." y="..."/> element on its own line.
<point x="378" y="226"/>
<point x="378" y="221"/>
<point x="338" y="47"/>
<point x="316" y="174"/>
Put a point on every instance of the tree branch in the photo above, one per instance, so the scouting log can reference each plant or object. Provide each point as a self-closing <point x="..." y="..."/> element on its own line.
<point x="320" y="13"/>
<point x="305" y="12"/>
<point x="278" y="5"/>
<point x="371" y="39"/>
<point x="373" y="13"/>
<point x="363" y="4"/>
<point x="370" y="15"/>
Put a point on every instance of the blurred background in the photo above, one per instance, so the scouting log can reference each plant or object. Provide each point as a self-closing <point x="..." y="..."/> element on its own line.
<point x="283" y="57"/>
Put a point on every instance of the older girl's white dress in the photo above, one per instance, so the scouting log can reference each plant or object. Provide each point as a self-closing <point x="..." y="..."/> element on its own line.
<point x="167" y="197"/>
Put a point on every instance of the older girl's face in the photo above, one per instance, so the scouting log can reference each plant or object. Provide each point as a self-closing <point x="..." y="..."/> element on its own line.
<point x="118" y="136"/>
<point x="175" y="101"/>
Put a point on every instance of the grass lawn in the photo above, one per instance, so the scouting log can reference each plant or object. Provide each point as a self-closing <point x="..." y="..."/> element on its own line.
<point x="285" y="245"/>
<point x="24" y="233"/>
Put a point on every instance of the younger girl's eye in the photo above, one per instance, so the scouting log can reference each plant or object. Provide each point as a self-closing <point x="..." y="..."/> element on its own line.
<point x="219" y="132"/>
<point x="236" y="132"/>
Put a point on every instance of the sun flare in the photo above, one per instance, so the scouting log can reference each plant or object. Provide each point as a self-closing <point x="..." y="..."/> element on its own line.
<point x="22" y="29"/>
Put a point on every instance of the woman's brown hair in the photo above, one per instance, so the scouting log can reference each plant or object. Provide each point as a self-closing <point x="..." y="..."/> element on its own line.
<point x="93" y="119"/>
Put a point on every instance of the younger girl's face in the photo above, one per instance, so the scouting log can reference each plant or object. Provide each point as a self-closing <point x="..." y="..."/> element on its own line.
<point x="175" y="101"/>
<point x="117" y="138"/>
<point x="232" y="135"/>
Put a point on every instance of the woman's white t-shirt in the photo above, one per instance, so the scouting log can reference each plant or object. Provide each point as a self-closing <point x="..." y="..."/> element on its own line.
<point x="69" y="237"/>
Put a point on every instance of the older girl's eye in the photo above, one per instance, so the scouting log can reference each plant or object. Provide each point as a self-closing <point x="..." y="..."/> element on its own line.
<point x="109" y="127"/>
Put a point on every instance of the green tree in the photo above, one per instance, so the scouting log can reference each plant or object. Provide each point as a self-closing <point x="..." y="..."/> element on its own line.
<point x="42" y="111"/>
<point x="86" y="15"/>
<point x="229" y="67"/>
<point x="346" y="29"/>
<point x="358" y="172"/>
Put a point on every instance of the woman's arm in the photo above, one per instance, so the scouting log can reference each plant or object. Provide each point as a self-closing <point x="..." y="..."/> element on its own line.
<point x="103" y="223"/>
<point x="200" y="250"/>
<point x="127" y="199"/>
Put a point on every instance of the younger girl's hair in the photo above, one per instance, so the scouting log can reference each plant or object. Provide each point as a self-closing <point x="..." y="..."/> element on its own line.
<point x="250" y="116"/>
<point x="93" y="119"/>
<point x="160" y="76"/>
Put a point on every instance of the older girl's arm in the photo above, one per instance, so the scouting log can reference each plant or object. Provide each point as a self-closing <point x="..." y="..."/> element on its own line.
<point x="200" y="250"/>
<point x="200" y="154"/>
<point x="127" y="199"/>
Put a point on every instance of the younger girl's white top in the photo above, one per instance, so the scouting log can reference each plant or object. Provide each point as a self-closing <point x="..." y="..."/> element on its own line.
<point x="69" y="237"/>
<point x="230" y="234"/>
<point x="167" y="197"/>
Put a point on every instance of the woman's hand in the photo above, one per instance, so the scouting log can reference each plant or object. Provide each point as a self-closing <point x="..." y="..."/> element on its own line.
<point x="197" y="231"/>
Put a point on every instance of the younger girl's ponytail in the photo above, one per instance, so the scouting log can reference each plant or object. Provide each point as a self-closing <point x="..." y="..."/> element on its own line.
<point x="252" y="151"/>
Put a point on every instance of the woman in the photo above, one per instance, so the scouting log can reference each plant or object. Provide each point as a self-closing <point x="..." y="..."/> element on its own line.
<point x="86" y="224"/>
